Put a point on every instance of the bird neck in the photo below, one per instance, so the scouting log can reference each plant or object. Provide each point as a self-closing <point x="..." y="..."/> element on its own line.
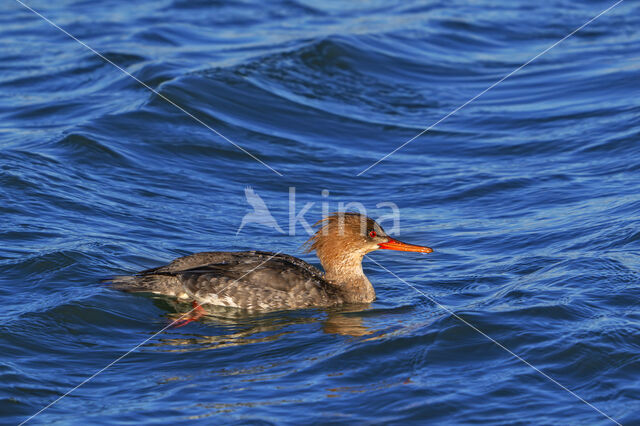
<point x="345" y="272"/>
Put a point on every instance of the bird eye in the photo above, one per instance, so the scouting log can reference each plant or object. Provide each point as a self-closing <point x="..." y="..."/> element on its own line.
<point x="372" y="234"/>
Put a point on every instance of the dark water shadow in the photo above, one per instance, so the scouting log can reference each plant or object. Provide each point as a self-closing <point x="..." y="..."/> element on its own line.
<point x="235" y="327"/>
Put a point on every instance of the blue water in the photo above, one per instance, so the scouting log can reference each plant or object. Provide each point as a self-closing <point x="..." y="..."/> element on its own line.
<point x="530" y="196"/>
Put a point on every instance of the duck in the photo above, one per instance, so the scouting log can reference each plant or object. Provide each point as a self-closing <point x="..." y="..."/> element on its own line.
<point x="271" y="281"/>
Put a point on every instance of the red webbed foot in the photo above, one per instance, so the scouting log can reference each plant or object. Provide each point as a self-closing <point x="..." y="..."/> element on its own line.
<point x="195" y="314"/>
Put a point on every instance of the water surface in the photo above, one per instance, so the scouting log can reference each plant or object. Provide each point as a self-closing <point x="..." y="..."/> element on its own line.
<point x="529" y="195"/>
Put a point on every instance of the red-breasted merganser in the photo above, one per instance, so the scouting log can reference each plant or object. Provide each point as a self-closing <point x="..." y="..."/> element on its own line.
<point x="264" y="281"/>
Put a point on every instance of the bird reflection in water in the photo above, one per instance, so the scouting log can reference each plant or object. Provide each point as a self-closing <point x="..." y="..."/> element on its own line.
<point x="234" y="327"/>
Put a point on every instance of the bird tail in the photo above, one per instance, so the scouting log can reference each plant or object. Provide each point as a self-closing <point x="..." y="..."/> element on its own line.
<point x="157" y="282"/>
<point x="131" y="283"/>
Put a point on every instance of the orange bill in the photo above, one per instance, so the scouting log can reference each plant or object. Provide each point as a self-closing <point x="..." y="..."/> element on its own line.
<point x="400" y="246"/>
